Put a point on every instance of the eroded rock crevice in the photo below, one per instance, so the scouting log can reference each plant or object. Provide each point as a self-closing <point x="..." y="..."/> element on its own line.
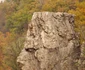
<point x="51" y="43"/>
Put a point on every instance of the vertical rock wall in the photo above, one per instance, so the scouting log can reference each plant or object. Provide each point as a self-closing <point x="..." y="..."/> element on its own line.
<point x="51" y="43"/>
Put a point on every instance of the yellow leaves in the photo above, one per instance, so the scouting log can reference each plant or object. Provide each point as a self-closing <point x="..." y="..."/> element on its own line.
<point x="49" y="5"/>
<point x="58" y="5"/>
<point x="80" y="4"/>
<point x="80" y="19"/>
<point x="79" y="12"/>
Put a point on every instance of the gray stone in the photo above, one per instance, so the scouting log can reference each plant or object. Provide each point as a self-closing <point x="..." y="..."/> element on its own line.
<point x="51" y="43"/>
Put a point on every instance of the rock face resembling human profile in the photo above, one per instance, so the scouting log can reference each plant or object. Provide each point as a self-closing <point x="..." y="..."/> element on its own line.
<point x="51" y="43"/>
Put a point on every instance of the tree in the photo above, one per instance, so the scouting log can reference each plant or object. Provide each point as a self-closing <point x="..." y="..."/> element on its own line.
<point x="6" y="9"/>
<point x="11" y="53"/>
<point x="59" y="5"/>
<point x="1" y="53"/>
<point x="17" y="21"/>
<point x="80" y="19"/>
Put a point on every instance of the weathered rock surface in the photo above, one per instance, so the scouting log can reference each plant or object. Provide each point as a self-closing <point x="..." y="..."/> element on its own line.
<point x="51" y="43"/>
<point x="81" y="62"/>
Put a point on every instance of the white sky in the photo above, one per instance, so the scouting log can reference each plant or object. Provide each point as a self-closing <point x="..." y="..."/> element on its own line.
<point x="2" y="0"/>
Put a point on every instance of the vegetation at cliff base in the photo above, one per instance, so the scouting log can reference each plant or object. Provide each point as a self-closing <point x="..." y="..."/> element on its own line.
<point x="15" y="15"/>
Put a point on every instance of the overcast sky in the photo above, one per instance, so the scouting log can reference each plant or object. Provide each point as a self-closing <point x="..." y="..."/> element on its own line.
<point x="1" y="0"/>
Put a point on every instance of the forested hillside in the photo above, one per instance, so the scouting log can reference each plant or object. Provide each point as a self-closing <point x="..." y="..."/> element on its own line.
<point x="15" y="15"/>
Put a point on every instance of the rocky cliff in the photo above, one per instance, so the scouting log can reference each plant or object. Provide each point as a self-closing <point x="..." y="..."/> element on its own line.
<point x="51" y="43"/>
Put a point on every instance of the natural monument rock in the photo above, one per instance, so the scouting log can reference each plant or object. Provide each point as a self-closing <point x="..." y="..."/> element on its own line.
<point x="51" y="43"/>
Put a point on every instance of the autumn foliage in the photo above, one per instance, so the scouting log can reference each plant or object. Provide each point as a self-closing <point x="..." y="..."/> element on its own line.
<point x="15" y="15"/>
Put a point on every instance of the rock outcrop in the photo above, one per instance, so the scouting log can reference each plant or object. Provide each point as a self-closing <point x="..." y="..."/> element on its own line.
<point x="81" y="61"/>
<point x="51" y="43"/>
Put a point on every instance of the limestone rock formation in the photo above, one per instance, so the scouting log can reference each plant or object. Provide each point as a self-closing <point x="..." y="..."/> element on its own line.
<point x="81" y="62"/>
<point x="51" y="43"/>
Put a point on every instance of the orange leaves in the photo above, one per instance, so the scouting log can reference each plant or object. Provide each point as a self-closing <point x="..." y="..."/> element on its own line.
<point x="4" y="39"/>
